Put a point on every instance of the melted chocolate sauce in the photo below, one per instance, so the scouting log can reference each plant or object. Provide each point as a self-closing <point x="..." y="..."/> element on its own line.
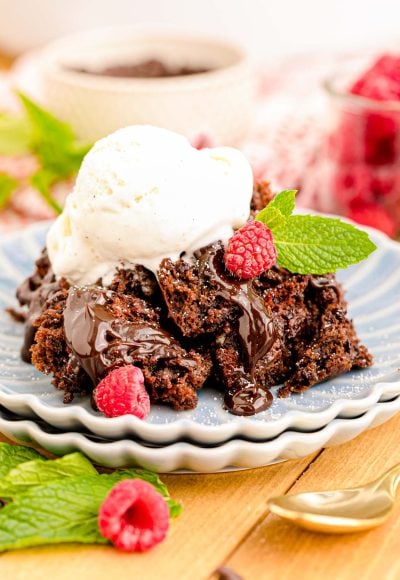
<point x="255" y="330"/>
<point x="99" y="340"/>
<point x="323" y="282"/>
<point x="247" y="398"/>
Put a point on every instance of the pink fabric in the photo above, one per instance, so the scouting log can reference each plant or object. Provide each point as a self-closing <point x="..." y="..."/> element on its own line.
<point x="282" y="144"/>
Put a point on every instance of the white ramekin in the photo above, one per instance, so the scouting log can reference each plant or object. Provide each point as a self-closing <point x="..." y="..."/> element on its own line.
<point x="216" y="104"/>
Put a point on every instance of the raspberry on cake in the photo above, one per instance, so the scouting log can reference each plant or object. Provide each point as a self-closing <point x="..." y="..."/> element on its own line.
<point x="143" y="296"/>
<point x="250" y="251"/>
<point x="122" y="392"/>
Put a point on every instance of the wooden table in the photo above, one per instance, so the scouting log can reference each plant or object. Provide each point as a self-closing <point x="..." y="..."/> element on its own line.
<point x="5" y="61"/>
<point x="226" y="522"/>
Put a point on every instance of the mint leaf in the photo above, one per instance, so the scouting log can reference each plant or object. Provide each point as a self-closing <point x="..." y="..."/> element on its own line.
<point x="13" y="455"/>
<point x="22" y="468"/>
<point x="317" y="245"/>
<point x="272" y="217"/>
<point x="44" y="124"/>
<point x="42" y="180"/>
<point x="58" y="512"/>
<point x="53" y="141"/>
<point x="275" y="213"/>
<point x="312" y="244"/>
<point x="38" y="472"/>
<point x="15" y="135"/>
<point x="285" y="201"/>
<point x="7" y="187"/>
<point x="62" y="511"/>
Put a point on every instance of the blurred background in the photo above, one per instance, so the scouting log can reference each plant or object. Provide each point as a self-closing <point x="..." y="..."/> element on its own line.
<point x="267" y="28"/>
<point x="339" y="146"/>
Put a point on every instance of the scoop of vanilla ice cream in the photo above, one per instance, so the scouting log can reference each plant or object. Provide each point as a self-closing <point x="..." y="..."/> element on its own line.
<point x="143" y="194"/>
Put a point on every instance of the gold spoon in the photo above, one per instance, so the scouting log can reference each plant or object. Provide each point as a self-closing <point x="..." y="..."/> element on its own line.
<point x="341" y="511"/>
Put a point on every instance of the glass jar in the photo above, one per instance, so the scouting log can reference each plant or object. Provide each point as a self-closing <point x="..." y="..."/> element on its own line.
<point x="360" y="165"/>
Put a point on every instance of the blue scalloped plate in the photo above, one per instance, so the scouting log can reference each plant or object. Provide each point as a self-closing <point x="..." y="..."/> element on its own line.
<point x="373" y="292"/>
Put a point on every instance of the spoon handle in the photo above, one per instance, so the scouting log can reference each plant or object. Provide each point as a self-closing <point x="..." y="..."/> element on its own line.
<point x="391" y="479"/>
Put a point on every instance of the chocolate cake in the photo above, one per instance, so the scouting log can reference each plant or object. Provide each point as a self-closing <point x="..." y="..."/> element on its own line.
<point x="194" y="324"/>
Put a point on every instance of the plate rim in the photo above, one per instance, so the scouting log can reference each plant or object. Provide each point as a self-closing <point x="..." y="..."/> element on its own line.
<point x="183" y="427"/>
<point x="183" y="455"/>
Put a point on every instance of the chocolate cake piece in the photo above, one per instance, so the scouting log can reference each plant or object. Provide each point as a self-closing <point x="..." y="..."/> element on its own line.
<point x="50" y="353"/>
<point x="308" y="340"/>
<point x="208" y="303"/>
<point x="84" y="333"/>
<point x="33" y="293"/>
<point x="262" y="195"/>
<point x="333" y="347"/>
<point x="194" y="295"/>
<point x="139" y="282"/>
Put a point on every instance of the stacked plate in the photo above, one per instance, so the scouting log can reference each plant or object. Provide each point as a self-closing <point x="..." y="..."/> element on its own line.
<point x="208" y="438"/>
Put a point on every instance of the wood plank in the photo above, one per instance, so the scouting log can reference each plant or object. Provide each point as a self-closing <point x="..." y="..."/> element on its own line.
<point x="5" y="61"/>
<point x="219" y="510"/>
<point x="278" y="550"/>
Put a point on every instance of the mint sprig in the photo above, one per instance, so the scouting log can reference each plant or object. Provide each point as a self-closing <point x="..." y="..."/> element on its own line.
<point x="285" y="201"/>
<point x="57" y="501"/>
<point x="52" y="142"/>
<point x="15" y="135"/>
<point x="57" y="512"/>
<point x="13" y="455"/>
<point x="308" y="244"/>
<point x="38" y="472"/>
<point x="7" y="187"/>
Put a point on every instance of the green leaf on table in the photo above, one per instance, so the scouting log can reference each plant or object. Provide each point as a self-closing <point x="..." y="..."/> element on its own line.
<point x="62" y="511"/>
<point x="33" y="473"/>
<point x="42" y="180"/>
<point x="59" y="512"/>
<point x="50" y="140"/>
<point x="15" y="135"/>
<point x="13" y="455"/>
<point x="56" y="147"/>
<point x="53" y="141"/>
<point x="44" y="124"/>
<point x="317" y="245"/>
<point x="7" y="187"/>
<point x="175" y="508"/>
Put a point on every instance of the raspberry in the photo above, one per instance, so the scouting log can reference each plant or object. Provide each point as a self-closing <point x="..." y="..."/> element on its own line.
<point x="122" y="392"/>
<point x="352" y="184"/>
<point x="250" y="251"/>
<point x="346" y="143"/>
<point x="380" y="138"/>
<point x="371" y="214"/>
<point x="381" y="81"/>
<point x="134" y="516"/>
